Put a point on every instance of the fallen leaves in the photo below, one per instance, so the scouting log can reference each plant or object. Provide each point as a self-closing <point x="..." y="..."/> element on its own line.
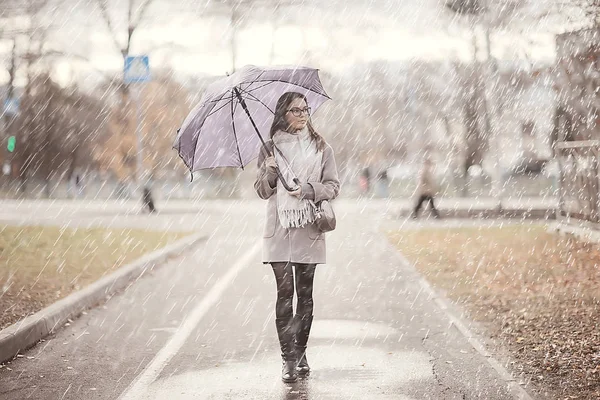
<point x="39" y="265"/>
<point x="536" y="292"/>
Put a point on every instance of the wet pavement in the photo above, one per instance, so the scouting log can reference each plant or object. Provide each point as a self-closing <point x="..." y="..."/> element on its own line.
<point x="202" y="325"/>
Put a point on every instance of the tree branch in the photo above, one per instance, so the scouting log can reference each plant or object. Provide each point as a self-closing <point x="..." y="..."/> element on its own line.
<point x="106" y="17"/>
<point x="130" y="28"/>
<point x="142" y="13"/>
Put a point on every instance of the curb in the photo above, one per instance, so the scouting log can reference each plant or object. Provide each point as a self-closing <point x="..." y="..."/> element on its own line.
<point x="583" y="233"/>
<point x="30" y="330"/>
<point x="448" y="308"/>
<point x="475" y="213"/>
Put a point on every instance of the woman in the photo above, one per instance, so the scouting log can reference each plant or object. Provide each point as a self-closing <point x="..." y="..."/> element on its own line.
<point x="291" y="241"/>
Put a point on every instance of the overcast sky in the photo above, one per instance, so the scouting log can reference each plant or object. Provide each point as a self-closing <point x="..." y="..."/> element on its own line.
<point x="191" y="39"/>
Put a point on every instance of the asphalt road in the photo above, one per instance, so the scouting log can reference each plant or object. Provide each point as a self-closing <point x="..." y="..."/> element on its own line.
<point x="202" y="325"/>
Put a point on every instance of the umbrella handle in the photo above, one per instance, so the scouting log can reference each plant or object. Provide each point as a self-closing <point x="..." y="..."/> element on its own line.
<point x="279" y="174"/>
<point x="285" y="184"/>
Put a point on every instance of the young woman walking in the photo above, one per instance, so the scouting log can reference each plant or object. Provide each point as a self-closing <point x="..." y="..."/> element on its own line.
<point x="292" y="244"/>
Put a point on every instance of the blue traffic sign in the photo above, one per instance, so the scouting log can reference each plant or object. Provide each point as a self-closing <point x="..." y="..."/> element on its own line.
<point x="137" y="69"/>
<point x="11" y="106"/>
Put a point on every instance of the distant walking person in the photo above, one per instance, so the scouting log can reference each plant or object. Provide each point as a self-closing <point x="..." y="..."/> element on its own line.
<point x="78" y="185"/>
<point x="383" y="184"/>
<point x="148" y="200"/>
<point x="365" y="181"/>
<point x="426" y="188"/>
<point x="292" y="243"/>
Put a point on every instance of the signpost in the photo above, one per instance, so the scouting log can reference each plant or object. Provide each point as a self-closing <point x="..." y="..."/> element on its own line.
<point x="137" y="71"/>
<point x="10" y="110"/>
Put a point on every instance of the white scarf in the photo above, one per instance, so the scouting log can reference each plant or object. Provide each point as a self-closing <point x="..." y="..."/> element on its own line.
<point x="301" y="160"/>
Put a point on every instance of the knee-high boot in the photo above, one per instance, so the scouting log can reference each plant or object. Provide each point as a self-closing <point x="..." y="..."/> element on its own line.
<point x="303" y="325"/>
<point x="286" y="335"/>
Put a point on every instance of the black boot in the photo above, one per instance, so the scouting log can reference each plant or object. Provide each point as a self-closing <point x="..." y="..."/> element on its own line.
<point x="302" y="333"/>
<point x="286" y="335"/>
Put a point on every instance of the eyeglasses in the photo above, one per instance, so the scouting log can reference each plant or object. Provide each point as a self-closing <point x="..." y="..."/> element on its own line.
<point x="297" y="112"/>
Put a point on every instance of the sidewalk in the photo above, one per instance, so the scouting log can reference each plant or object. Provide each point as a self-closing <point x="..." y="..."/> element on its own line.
<point x="49" y="209"/>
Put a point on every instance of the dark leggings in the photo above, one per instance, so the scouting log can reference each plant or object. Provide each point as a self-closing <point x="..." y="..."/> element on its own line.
<point x="305" y="275"/>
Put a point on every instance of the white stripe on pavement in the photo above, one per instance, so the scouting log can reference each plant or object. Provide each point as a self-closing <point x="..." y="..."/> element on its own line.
<point x="138" y="387"/>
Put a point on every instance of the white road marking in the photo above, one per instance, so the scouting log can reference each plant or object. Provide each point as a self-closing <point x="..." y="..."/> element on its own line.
<point x="446" y="307"/>
<point x="140" y="384"/>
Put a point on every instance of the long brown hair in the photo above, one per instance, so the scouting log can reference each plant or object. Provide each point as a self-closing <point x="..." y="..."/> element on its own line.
<point x="280" y="124"/>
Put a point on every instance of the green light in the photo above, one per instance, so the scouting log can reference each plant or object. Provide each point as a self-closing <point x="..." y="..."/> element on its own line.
<point x="12" y="141"/>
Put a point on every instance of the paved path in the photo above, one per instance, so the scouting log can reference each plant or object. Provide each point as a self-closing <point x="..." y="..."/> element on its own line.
<point x="202" y="326"/>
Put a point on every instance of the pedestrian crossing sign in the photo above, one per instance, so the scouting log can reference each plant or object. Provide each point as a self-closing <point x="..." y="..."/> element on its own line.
<point x="137" y="69"/>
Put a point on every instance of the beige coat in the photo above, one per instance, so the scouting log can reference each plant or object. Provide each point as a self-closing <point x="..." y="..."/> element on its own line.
<point x="304" y="245"/>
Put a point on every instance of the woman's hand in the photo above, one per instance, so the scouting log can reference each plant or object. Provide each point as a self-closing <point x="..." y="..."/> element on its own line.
<point x="297" y="192"/>
<point x="271" y="164"/>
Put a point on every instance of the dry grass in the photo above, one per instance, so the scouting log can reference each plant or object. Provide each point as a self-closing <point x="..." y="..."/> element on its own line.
<point x="538" y="293"/>
<point x="39" y="265"/>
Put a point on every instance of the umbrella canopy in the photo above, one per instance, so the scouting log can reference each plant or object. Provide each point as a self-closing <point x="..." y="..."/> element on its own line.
<point x="233" y="119"/>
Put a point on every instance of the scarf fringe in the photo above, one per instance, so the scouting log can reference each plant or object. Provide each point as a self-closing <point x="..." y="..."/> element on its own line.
<point x="297" y="218"/>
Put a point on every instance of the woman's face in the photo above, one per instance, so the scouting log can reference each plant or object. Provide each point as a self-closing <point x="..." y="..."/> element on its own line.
<point x="297" y="115"/>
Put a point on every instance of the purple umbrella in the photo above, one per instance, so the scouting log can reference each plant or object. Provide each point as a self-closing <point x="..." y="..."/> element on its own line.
<point x="232" y="121"/>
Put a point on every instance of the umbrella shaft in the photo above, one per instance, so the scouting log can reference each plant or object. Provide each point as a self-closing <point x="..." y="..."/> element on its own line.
<point x="245" y="107"/>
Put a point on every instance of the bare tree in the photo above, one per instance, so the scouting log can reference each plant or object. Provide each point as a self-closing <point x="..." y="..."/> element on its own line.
<point x="488" y="15"/>
<point x="240" y="12"/>
<point x="576" y="74"/>
<point x="577" y="81"/>
<point x="590" y="9"/>
<point x="476" y="140"/>
<point x="57" y="126"/>
<point x="30" y="21"/>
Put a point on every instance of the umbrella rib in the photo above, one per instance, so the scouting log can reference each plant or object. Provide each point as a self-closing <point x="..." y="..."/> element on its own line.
<point x="253" y="82"/>
<point x="237" y="144"/>
<point x="256" y="88"/>
<point x="219" y="99"/>
<point x="257" y="99"/>
<point x="230" y="100"/>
